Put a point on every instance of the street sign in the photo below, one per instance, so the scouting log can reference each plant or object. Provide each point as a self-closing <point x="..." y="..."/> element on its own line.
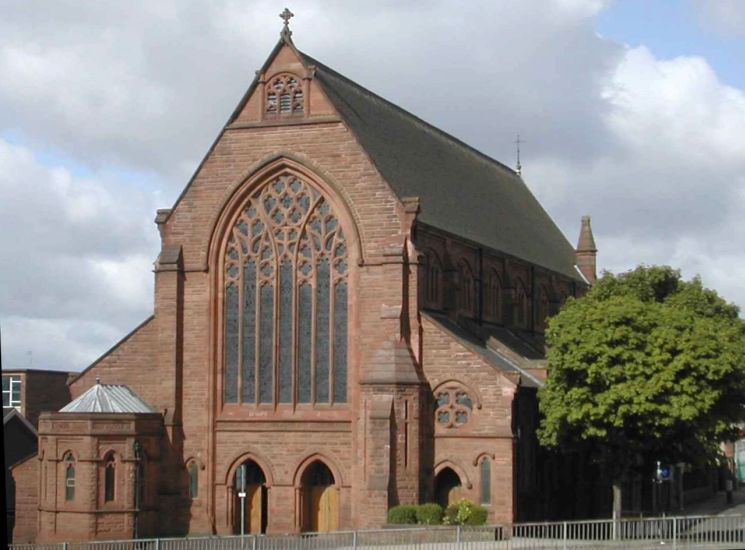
<point x="242" y="495"/>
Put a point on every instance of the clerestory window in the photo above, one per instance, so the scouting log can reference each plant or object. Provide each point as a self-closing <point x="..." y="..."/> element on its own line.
<point x="69" y="463"/>
<point x="286" y="294"/>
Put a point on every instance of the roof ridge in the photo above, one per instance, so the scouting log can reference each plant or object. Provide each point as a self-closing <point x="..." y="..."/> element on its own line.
<point x="427" y="125"/>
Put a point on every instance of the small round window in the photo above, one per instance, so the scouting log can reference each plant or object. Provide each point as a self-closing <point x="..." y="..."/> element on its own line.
<point x="453" y="407"/>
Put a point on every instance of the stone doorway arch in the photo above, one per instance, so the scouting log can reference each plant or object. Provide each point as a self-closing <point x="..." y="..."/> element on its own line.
<point x="319" y="499"/>
<point x="448" y="487"/>
<point x="250" y="484"/>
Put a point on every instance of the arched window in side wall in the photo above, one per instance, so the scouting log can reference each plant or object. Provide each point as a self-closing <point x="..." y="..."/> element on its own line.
<point x="544" y="307"/>
<point x="522" y="305"/>
<point x="193" y="480"/>
<point x="485" y="468"/>
<point x="466" y="290"/>
<point x="109" y="476"/>
<point x="493" y="296"/>
<point x="432" y="283"/>
<point x="69" y="462"/>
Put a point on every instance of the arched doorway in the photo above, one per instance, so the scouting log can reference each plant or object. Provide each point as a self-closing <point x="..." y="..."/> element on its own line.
<point x="250" y="499"/>
<point x="448" y="488"/>
<point x="320" y="500"/>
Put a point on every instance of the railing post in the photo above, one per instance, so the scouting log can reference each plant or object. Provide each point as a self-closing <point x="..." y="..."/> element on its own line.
<point x="65" y="546"/>
<point x="675" y="532"/>
<point x="253" y="542"/>
<point x="564" y="535"/>
<point x="157" y="544"/>
<point x="457" y="534"/>
<point x="354" y="539"/>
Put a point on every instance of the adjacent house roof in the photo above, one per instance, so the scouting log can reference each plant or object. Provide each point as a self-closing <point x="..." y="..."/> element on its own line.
<point x="108" y="398"/>
<point x="461" y="190"/>
<point x="11" y="412"/>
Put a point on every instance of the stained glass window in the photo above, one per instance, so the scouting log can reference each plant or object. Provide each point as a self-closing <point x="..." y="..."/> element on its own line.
<point x="286" y="298"/>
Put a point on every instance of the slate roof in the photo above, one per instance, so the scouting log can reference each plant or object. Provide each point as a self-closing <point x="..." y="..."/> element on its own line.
<point x="461" y="190"/>
<point x="108" y="398"/>
<point x="501" y="361"/>
<point x="11" y="412"/>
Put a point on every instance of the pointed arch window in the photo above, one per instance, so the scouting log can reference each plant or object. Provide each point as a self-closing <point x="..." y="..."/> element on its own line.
<point x="193" y="471"/>
<point x="284" y="96"/>
<point x="432" y="283"/>
<point x="69" y="462"/>
<point x="522" y="305"/>
<point x="109" y="478"/>
<point x="467" y="289"/>
<point x="544" y="308"/>
<point x="286" y="299"/>
<point x="493" y="296"/>
<point x="485" y="471"/>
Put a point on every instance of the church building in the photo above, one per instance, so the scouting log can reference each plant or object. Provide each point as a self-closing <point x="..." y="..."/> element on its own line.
<point x="348" y="315"/>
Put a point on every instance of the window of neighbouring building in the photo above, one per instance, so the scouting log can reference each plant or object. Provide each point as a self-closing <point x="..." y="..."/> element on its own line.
<point x="12" y="391"/>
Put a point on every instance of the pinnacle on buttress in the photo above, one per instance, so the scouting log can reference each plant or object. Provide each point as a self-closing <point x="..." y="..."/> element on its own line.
<point x="586" y="252"/>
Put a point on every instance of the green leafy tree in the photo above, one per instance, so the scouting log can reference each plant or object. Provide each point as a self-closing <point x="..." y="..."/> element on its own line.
<point x="645" y="366"/>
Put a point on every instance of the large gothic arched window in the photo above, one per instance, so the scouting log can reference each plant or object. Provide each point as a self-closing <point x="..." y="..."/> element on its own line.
<point x="286" y="294"/>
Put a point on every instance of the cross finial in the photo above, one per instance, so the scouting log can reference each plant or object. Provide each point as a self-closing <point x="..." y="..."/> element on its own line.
<point x="518" y="141"/>
<point x="285" y="16"/>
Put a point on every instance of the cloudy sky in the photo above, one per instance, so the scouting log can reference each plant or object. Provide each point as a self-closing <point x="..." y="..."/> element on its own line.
<point x="633" y="112"/>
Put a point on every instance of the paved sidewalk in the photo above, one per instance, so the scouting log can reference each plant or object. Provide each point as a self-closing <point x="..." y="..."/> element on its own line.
<point x="716" y="505"/>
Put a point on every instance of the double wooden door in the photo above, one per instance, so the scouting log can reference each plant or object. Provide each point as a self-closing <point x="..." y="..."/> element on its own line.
<point x="322" y="509"/>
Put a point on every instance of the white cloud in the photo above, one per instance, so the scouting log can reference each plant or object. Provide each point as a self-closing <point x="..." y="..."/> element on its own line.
<point x="77" y="255"/>
<point x="725" y="16"/>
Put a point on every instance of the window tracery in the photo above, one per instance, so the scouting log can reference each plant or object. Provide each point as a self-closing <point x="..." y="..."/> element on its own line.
<point x="286" y="294"/>
<point x="284" y="95"/>
<point x="453" y="407"/>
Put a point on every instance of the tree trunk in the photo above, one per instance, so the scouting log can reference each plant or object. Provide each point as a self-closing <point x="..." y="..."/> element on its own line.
<point x="617" y="499"/>
<point x="616" y="506"/>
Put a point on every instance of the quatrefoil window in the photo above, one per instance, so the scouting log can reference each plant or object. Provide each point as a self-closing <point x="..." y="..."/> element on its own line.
<point x="453" y="407"/>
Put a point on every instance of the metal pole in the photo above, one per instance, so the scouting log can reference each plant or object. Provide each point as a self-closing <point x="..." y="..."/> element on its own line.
<point x="457" y="534"/>
<point x="564" y="534"/>
<point x="675" y="532"/>
<point x="354" y="539"/>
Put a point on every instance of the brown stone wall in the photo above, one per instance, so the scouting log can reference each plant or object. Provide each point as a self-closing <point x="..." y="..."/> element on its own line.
<point x="131" y="361"/>
<point x="488" y="432"/>
<point x="26" y="478"/>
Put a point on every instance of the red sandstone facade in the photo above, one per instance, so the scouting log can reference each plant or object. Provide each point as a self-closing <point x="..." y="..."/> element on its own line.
<point x="426" y="353"/>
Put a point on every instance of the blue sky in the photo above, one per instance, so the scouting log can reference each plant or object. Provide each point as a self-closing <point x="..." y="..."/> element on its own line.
<point x="672" y="28"/>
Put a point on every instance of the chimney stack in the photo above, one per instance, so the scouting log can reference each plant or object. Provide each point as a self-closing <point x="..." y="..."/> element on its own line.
<point x="586" y="251"/>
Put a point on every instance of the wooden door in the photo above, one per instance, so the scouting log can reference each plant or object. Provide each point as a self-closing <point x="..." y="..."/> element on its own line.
<point x="324" y="508"/>
<point x="254" y="508"/>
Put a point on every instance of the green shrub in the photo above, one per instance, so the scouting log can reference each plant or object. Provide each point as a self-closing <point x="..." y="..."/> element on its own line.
<point x="429" y="514"/>
<point x="478" y="516"/>
<point x="403" y="514"/>
<point x="465" y="512"/>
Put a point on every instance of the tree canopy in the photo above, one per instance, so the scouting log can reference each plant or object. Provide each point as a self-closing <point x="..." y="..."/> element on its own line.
<point x="644" y="366"/>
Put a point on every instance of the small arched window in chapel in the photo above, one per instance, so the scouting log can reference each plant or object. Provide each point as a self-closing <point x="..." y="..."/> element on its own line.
<point x="69" y="462"/>
<point x="454" y="407"/>
<point x="522" y="305"/>
<point x="284" y="95"/>
<point x="109" y="478"/>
